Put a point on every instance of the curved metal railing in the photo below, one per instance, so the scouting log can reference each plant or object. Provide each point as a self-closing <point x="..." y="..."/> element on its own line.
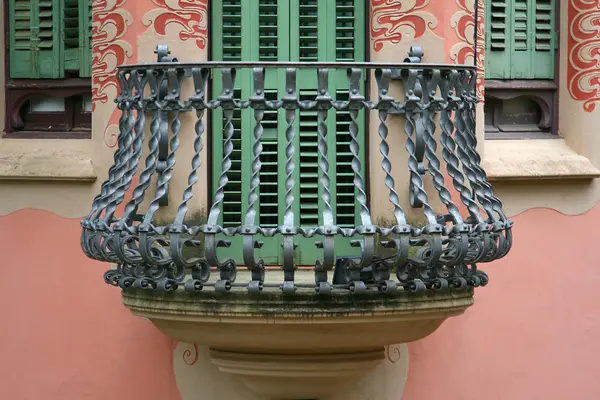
<point x="438" y="109"/>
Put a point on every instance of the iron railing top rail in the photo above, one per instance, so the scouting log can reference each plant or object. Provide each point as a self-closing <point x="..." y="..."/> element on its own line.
<point x="298" y="65"/>
<point x="439" y="112"/>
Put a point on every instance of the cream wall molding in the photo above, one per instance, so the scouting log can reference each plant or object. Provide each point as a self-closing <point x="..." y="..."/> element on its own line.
<point x="46" y="160"/>
<point x="535" y="159"/>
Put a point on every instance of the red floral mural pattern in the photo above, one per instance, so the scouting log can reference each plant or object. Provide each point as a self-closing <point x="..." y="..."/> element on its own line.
<point x="463" y="24"/>
<point x="480" y="52"/>
<point x="190" y="15"/>
<point x="393" y="20"/>
<point x="583" y="72"/>
<point x="109" y="24"/>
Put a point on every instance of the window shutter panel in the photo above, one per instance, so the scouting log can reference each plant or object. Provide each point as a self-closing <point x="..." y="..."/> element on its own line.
<point x="85" y="38"/>
<point x="34" y="39"/>
<point x="349" y="46"/>
<point x="288" y="30"/>
<point x="227" y="46"/>
<point x="328" y="30"/>
<point x="77" y="34"/>
<point x="544" y="43"/>
<point x="497" y="48"/>
<point x="71" y="34"/>
<point x="520" y="39"/>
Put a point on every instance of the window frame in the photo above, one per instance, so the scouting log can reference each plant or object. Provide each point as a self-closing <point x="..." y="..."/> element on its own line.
<point x="544" y="92"/>
<point x="19" y="91"/>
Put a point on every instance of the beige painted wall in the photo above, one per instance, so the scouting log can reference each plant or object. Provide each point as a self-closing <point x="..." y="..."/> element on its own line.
<point x="59" y="175"/>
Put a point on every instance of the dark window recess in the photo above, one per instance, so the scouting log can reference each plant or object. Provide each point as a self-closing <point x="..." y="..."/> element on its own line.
<point x="520" y="109"/>
<point x="44" y="113"/>
<point x="48" y="74"/>
<point x="521" y="115"/>
<point x="48" y="108"/>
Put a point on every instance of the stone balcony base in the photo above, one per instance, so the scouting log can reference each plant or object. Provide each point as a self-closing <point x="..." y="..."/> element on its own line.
<point x="198" y="377"/>
<point x="296" y="376"/>
<point x="321" y="341"/>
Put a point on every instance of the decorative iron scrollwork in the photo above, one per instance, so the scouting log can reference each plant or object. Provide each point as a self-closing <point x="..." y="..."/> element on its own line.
<point x="163" y="56"/>
<point x="440" y="254"/>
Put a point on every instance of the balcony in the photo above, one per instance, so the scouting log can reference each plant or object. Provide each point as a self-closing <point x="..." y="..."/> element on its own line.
<point x="288" y="330"/>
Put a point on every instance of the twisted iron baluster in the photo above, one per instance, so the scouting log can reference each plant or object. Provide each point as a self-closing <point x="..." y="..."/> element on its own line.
<point x="402" y="243"/>
<point x="124" y="246"/>
<point x="290" y="104"/>
<point x="200" y="269"/>
<point x="355" y="105"/>
<point x="158" y="256"/>
<point x="469" y="81"/>
<point x="367" y="244"/>
<point x="258" y="103"/>
<point x="126" y="123"/>
<point x="227" y="267"/>
<point x="106" y="243"/>
<point x="426" y="256"/>
<point x="479" y="237"/>
<point x="382" y="78"/>
<point x="463" y="151"/>
<point x="487" y="247"/>
<point x="149" y="104"/>
<point x="118" y="157"/>
<point x="430" y="84"/>
<point x="411" y="108"/>
<point x="471" y="139"/>
<point x="449" y="146"/>
<point x="328" y="230"/>
<point x="139" y="83"/>
<point x="457" y="246"/>
<point x="92" y="235"/>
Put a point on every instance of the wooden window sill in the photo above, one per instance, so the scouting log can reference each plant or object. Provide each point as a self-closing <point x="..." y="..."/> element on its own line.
<point x="46" y="160"/>
<point x="506" y="160"/>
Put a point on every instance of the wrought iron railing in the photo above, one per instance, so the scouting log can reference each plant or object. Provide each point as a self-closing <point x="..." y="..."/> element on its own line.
<point x="441" y="254"/>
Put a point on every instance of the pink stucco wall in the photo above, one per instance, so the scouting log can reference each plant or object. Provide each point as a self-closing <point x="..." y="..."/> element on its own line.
<point x="532" y="333"/>
<point x="63" y="333"/>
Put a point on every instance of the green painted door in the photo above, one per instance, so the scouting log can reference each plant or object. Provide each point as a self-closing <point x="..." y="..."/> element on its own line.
<point x="520" y="39"/>
<point x="289" y="30"/>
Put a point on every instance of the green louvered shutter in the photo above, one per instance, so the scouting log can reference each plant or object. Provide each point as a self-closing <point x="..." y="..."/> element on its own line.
<point x="227" y="36"/>
<point x="77" y="35"/>
<point x="520" y="39"/>
<point x="34" y="39"/>
<point x="287" y="30"/>
<point x="327" y="30"/>
<point x="50" y="38"/>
